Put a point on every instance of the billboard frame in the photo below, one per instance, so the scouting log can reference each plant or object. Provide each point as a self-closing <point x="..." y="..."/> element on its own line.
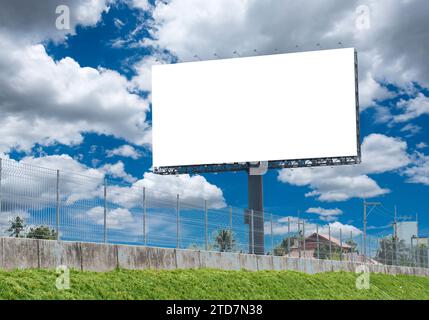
<point x="276" y="164"/>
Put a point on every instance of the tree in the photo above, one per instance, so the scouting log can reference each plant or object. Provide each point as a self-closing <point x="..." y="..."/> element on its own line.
<point x="42" y="232"/>
<point x="16" y="227"/>
<point x="420" y="255"/>
<point x="392" y="252"/>
<point x="283" y="247"/>
<point x="224" y="240"/>
<point x="353" y="246"/>
<point x="325" y="253"/>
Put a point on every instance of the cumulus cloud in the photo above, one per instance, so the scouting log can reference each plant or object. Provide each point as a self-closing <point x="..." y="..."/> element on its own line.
<point x="125" y="151"/>
<point x="45" y="101"/>
<point x="163" y="190"/>
<point x="326" y="214"/>
<point x="412" y="108"/>
<point x="380" y="154"/>
<point x="117" y="170"/>
<point x="419" y="172"/>
<point x="281" y="227"/>
<point x="387" y="52"/>
<point x="35" y="21"/>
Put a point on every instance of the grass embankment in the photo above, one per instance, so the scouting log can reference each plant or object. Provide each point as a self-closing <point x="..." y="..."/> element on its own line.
<point x="208" y="284"/>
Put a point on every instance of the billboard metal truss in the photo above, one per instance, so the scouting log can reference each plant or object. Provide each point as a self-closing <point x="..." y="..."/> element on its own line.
<point x="281" y="164"/>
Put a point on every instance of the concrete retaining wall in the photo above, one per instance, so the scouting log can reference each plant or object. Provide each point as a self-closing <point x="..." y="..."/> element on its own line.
<point x="17" y="253"/>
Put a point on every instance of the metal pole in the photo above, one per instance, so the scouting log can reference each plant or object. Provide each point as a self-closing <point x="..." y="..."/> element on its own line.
<point x="144" y="217"/>
<point x="303" y="234"/>
<point x="1" y="167"/>
<point x="105" y="212"/>
<point x="317" y="241"/>
<point x="395" y="238"/>
<point x="177" y="223"/>
<point x="351" y="242"/>
<point x="299" y="239"/>
<point x="364" y="230"/>
<point x="230" y="225"/>
<point x="341" y="245"/>
<point x="330" y="243"/>
<point x="272" y="239"/>
<point x="206" y="225"/>
<point x="288" y="237"/>
<point x="57" y="208"/>
<point x="252" y="232"/>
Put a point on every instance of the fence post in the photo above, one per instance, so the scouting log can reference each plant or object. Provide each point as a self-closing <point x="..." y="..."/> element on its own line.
<point x="330" y="243"/>
<point x="341" y="245"/>
<point x="144" y="217"/>
<point x="57" y="207"/>
<point x="177" y="222"/>
<point x="303" y="235"/>
<point x="272" y="239"/>
<point x="288" y="236"/>
<point x="230" y="225"/>
<point x="206" y="225"/>
<point x="105" y="212"/>
<point x="299" y="238"/>
<point x="317" y="241"/>
<point x="252" y="232"/>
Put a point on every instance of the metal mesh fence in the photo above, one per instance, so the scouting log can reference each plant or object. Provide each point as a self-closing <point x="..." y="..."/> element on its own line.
<point x="68" y="206"/>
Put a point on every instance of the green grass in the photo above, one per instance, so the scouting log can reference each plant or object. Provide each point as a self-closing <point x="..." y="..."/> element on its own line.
<point x="208" y="284"/>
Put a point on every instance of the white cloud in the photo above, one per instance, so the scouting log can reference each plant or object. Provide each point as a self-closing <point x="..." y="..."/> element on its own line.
<point x="379" y="154"/>
<point x="280" y="228"/>
<point x="387" y="52"/>
<point x="117" y="170"/>
<point x="411" y="129"/>
<point x="162" y="191"/>
<point x="370" y="91"/>
<point x="34" y="21"/>
<point x="419" y="172"/>
<point x="421" y="145"/>
<point x="45" y="101"/>
<point x="141" y="4"/>
<point x="126" y="151"/>
<point x="412" y="108"/>
<point x="326" y="214"/>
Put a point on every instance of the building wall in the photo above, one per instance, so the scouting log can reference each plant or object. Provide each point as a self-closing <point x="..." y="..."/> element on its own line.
<point x="406" y="230"/>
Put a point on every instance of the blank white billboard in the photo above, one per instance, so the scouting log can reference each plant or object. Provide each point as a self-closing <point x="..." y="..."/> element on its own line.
<point x="263" y="108"/>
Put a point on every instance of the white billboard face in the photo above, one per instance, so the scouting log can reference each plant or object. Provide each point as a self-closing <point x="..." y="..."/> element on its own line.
<point x="264" y="108"/>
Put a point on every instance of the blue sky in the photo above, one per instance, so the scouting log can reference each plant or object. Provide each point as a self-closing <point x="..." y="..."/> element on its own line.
<point x="126" y="37"/>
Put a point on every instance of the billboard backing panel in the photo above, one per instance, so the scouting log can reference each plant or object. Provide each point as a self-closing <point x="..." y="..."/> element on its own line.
<point x="264" y="108"/>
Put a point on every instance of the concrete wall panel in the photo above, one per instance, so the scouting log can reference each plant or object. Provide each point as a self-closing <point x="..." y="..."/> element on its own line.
<point x="162" y="258"/>
<point x="55" y="253"/>
<point x="230" y="261"/>
<point x="187" y="259"/>
<point x="20" y="253"/>
<point x="265" y="262"/>
<point x="133" y="257"/>
<point x="210" y="259"/>
<point x="248" y="262"/>
<point x="99" y="257"/>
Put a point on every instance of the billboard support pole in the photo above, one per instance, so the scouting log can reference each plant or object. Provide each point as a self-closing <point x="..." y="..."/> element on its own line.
<point x="255" y="203"/>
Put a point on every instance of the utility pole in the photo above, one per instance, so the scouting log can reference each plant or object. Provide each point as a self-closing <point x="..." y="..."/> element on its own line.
<point x="395" y="235"/>
<point x="365" y="215"/>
